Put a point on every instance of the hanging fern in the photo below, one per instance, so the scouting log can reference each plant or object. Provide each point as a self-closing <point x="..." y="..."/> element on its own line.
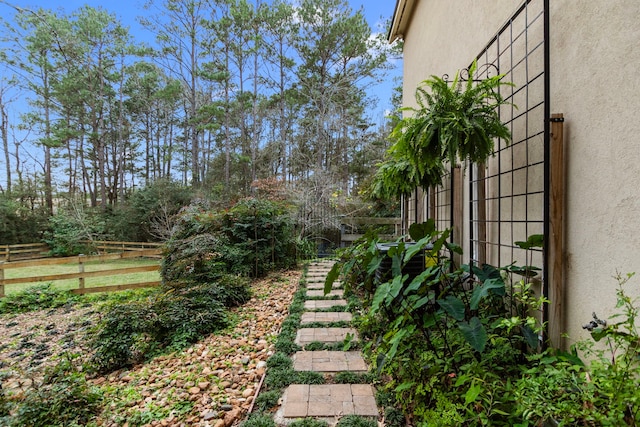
<point x="457" y="121"/>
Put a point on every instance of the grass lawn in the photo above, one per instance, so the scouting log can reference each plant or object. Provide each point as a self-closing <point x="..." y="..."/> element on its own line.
<point x="47" y="270"/>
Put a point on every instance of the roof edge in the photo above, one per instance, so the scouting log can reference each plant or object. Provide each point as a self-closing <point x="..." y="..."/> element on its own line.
<point x="401" y="16"/>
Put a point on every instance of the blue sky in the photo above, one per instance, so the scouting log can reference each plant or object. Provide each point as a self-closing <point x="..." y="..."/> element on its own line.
<point x="376" y="12"/>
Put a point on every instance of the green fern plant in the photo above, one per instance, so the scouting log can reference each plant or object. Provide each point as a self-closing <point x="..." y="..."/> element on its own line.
<point x="457" y="121"/>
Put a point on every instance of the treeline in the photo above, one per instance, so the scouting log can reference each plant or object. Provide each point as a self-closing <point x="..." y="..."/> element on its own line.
<point x="229" y="92"/>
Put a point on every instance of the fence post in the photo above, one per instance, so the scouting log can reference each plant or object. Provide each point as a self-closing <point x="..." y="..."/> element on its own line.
<point x="81" y="271"/>
<point x="482" y="214"/>
<point x="1" y="279"/>
<point x="457" y="210"/>
<point x="556" y="235"/>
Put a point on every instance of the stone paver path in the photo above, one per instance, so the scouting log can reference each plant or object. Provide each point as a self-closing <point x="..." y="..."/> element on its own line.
<point x="320" y="293"/>
<point x="323" y="304"/>
<point x="320" y="285"/>
<point x="329" y="361"/>
<point x="328" y="402"/>
<point x="325" y="317"/>
<point x="324" y="335"/>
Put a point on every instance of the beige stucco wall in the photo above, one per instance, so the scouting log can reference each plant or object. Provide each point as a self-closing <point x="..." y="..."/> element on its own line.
<point x="594" y="58"/>
<point x="595" y="53"/>
<point x="444" y="35"/>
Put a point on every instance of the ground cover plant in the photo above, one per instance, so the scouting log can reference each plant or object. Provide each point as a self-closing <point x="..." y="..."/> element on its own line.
<point x="205" y="268"/>
<point x="459" y="346"/>
<point x="201" y="282"/>
<point x="207" y="364"/>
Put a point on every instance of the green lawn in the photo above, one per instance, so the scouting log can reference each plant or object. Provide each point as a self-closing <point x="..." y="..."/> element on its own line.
<point x="48" y="270"/>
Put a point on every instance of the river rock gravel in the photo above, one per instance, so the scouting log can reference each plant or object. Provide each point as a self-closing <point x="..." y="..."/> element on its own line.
<point x="211" y="383"/>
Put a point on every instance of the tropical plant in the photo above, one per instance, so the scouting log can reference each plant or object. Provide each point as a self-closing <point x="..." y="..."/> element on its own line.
<point x="457" y="121"/>
<point x="448" y="341"/>
<point x="560" y="387"/>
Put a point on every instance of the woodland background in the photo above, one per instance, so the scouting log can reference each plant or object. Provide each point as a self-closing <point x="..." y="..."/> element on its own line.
<point x="231" y="97"/>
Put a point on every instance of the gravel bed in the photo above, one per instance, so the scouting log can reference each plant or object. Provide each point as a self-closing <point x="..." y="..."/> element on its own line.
<point x="212" y="383"/>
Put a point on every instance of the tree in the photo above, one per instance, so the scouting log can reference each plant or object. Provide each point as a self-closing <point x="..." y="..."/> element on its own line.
<point x="338" y="57"/>
<point x="181" y="35"/>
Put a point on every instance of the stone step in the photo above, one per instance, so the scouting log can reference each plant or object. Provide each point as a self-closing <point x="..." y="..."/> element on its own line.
<point x="329" y="401"/>
<point x="320" y="285"/>
<point x="324" y="335"/>
<point x="329" y="361"/>
<point x="325" y="317"/>
<point x="320" y="293"/>
<point x="323" y="304"/>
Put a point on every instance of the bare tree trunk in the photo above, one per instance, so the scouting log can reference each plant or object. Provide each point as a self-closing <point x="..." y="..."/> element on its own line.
<point x="4" y="134"/>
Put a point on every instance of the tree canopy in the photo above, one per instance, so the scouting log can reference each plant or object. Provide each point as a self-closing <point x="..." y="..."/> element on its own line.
<point x="230" y="92"/>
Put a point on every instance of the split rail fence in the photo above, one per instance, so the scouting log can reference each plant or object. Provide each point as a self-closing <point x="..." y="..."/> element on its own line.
<point x="81" y="274"/>
<point x="350" y="228"/>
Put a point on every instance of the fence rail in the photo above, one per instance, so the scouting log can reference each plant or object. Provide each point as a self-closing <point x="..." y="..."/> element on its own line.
<point x="111" y="246"/>
<point x="23" y="251"/>
<point x="81" y="275"/>
<point x="350" y="225"/>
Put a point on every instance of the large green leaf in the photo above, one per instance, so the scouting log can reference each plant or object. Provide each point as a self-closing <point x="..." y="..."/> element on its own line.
<point x="332" y="276"/>
<point x="474" y="333"/>
<point x="422" y="230"/>
<point x="381" y="294"/>
<point x="481" y="291"/>
<point x="486" y="271"/>
<point x="453" y="306"/>
<point x="530" y="336"/>
<point x="533" y="241"/>
<point x="420" y="279"/>
<point x="419" y="246"/>
<point x="374" y="263"/>
<point x="472" y="394"/>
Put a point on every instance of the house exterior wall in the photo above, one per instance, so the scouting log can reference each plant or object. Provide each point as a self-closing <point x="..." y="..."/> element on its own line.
<point x="593" y="55"/>
<point x="594" y="59"/>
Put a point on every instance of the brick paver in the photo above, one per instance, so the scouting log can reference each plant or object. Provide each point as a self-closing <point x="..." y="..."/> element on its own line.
<point x="329" y="401"/>
<point x="329" y="361"/>
<point x="320" y="285"/>
<point x="324" y="335"/>
<point x="324" y="304"/>
<point x="325" y="317"/>
<point x="320" y="293"/>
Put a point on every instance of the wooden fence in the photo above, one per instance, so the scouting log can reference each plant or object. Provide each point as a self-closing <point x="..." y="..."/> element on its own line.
<point x="350" y="226"/>
<point x="23" y="251"/>
<point x="110" y="246"/>
<point x="81" y="275"/>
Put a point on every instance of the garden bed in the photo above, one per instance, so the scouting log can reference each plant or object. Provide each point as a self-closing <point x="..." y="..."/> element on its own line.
<point x="212" y="382"/>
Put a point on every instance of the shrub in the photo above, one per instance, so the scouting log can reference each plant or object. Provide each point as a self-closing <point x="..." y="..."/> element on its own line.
<point x="36" y="297"/>
<point x="258" y="420"/>
<point x="20" y="223"/>
<point x="63" y="398"/>
<point x="356" y="421"/>
<point x="172" y="318"/>
<point x="149" y="214"/>
<point x="560" y="387"/>
<point x="73" y="228"/>
<point x="251" y="238"/>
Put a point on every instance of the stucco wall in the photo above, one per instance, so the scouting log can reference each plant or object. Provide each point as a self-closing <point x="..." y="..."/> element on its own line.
<point x="595" y="53"/>
<point x="444" y="36"/>
<point x="594" y="57"/>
